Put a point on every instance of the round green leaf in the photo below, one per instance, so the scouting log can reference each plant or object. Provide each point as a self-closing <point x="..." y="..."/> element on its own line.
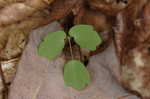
<point x="52" y="45"/>
<point x="85" y="36"/>
<point x="76" y="75"/>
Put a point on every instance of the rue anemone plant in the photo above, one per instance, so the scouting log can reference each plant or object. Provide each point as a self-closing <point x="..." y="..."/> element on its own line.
<point x="76" y="74"/>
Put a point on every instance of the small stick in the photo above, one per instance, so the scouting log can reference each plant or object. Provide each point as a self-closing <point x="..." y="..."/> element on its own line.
<point x="70" y="46"/>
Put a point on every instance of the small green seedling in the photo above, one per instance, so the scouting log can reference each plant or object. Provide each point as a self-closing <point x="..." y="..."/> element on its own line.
<point x="76" y="74"/>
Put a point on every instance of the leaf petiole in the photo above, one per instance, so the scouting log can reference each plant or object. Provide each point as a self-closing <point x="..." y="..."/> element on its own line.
<point x="70" y="48"/>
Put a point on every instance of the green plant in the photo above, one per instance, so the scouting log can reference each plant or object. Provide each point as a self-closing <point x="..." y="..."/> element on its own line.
<point x="75" y="73"/>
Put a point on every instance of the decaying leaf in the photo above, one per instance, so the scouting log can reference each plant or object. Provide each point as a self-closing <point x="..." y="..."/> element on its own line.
<point x="110" y="7"/>
<point x="59" y="9"/>
<point x="127" y="28"/>
<point x="133" y="43"/>
<point x="98" y="20"/>
<point x="9" y="68"/>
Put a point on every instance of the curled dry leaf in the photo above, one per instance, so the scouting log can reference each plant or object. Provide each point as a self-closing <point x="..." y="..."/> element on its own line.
<point x="18" y="11"/>
<point x="14" y="36"/>
<point x="9" y="69"/>
<point x="97" y="19"/>
<point x="18" y="18"/>
<point x="59" y="9"/>
<point x="133" y="46"/>
<point x="110" y="7"/>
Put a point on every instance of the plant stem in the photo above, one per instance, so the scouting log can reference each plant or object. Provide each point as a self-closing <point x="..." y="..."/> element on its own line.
<point x="70" y="46"/>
